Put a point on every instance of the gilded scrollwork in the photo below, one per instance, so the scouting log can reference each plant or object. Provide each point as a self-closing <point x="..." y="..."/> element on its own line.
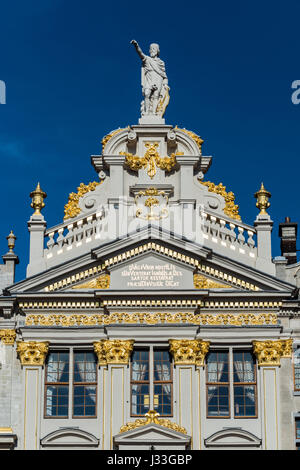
<point x="100" y="282"/>
<point x="151" y="160"/>
<point x="151" y="319"/>
<point x="113" y="351"/>
<point x="196" y="138"/>
<point x="231" y="209"/>
<point x="32" y="353"/>
<point x="202" y="282"/>
<point x="152" y="417"/>
<point x="186" y="351"/>
<point x="151" y="202"/>
<point x="107" y="137"/>
<point x="72" y="208"/>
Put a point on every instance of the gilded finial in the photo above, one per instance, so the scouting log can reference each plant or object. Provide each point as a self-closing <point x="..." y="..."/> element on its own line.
<point x="262" y="197"/>
<point x="38" y="197"/>
<point x="11" y="238"/>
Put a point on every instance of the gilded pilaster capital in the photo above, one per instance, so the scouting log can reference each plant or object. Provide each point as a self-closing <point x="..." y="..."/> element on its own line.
<point x="8" y="337"/>
<point x="113" y="351"/>
<point x="269" y="352"/>
<point x="186" y="351"/>
<point x="32" y="353"/>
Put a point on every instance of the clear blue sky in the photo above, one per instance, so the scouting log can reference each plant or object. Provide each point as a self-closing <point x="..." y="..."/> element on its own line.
<point x="72" y="76"/>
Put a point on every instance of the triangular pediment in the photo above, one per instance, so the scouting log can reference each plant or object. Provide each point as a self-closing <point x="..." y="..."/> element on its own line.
<point x="153" y="433"/>
<point x="165" y="265"/>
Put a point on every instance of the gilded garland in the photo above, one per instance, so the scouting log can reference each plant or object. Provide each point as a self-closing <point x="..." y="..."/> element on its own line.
<point x="107" y="137"/>
<point x="151" y="160"/>
<point x="231" y="209"/>
<point x="152" y="417"/>
<point x="194" y="136"/>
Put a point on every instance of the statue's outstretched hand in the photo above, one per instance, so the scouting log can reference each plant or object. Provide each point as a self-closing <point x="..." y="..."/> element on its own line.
<point x="134" y="42"/>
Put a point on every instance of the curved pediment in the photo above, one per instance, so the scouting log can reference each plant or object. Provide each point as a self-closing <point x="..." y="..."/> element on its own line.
<point x="69" y="437"/>
<point x="232" y="437"/>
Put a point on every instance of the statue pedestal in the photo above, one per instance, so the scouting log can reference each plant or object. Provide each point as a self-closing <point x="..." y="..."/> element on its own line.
<point x="151" y="119"/>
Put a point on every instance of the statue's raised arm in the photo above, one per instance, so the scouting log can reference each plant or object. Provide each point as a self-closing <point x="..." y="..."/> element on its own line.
<point x="154" y="81"/>
<point x="138" y="49"/>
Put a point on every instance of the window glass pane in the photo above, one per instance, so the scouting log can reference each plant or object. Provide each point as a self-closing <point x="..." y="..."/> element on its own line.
<point x="244" y="400"/>
<point x="243" y="367"/>
<point x="85" y="367"/>
<point x="84" y="400"/>
<point x="297" y="428"/>
<point x="217" y="367"/>
<point x="140" y="399"/>
<point x="140" y="366"/>
<point x="162" y="399"/>
<point x="162" y="366"/>
<point x="218" y="400"/>
<point x="57" y="367"/>
<point x="57" y="399"/>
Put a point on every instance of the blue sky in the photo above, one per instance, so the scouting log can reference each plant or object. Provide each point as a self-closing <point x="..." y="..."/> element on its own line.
<point x="71" y="76"/>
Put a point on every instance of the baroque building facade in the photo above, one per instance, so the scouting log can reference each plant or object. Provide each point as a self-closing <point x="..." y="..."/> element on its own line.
<point x="152" y="316"/>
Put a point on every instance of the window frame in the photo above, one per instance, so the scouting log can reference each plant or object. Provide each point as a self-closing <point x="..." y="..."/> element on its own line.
<point x="70" y="350"/>
<point x="151" y="349"/>
<point x="297" y="390"/>
<point x="231" y="385"/>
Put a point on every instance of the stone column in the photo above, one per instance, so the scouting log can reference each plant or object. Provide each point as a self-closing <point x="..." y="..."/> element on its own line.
<point x="268" y="355"/>
<point x="113" y="358"/>
<point x="7" y="435"/>
<point x="188" y="356"/>
<point x="32" y="356"/>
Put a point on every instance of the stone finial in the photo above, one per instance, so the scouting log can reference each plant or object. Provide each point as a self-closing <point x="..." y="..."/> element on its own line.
<point x="11" y="238"/>
<point x="262" y="197"/>
<point x="38" y="197"/>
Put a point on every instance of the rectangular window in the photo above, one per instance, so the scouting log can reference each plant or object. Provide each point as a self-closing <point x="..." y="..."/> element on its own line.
<point x="151" y="381"/>
<point x="71" y="384"/>
<point x="84" y="384"/>
<point x="231" y="384"/>
<point x="297" y="370"/>
<point x="244" y="384"/>
<point x="218" y="384"/>
<point x="57" y="384"/>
